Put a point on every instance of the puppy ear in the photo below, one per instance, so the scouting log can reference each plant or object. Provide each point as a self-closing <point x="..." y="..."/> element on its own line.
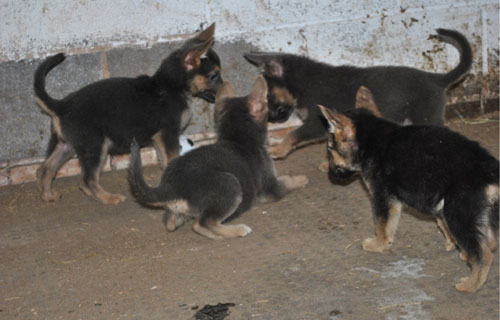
<point x="206" y="34"/>
<point x="364" y="99"/>
<point x="330" y="118"/>
<point x="192" y="56"/>
<point x="226" y="90"/>
<point x="257" y="99"/>
<point x="269" y="62"/>
<point x="338" y="123"/>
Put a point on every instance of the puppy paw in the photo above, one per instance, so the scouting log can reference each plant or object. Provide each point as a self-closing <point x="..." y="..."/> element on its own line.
<point x="111" y="198"/>
<point x="466" y="284"/>
<point x="371" y="244"/>
<point x="324" y="166"/>
<point x="449" y="246"/>
<point x="244" y="230"/>
<point x="278" y="151"/>
<point x="51" y="196"/>
<point x="293" y="182"/>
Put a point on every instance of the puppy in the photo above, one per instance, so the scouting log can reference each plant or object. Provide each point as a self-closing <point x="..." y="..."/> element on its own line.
<point x="405" y="95"/>
<point x="106" y="115"/>
<point x="430" y="168"/>
<point x="216" y="183"/>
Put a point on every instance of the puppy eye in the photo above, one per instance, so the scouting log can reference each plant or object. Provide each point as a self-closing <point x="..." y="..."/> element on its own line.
<point x="213" y="76"/>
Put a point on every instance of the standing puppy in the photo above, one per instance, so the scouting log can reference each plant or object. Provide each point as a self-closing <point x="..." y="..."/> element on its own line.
<point x="216" y="183"/>
<point x="106" y="115"/>
<point x="433" y="169"/>
<point x="404" y="95"/>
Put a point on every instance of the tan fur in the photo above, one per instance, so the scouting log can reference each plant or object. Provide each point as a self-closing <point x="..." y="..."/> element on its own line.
<point x="198" y="84"/>
<point x="364" y="99"/>
<point x="56" y="122"/>
<point x="94" y="188"/>
<point x="161" y="150"/>
<point x="479" y="272"/>
<point x="294" y="181"/>
<point x="450" y="242"/>
<point x="283" y="96"/>
<point x="385" y="230"/>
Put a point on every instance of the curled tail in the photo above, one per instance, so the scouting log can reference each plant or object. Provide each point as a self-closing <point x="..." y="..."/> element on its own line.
<point x="459" y="41"/>
<point x="46" y="102"/>
<point x="143" y="193"/>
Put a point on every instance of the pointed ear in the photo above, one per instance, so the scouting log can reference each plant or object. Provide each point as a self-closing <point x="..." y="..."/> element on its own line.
<point x="269" y="62"/>
<point x="226" y="90"/>
<point x="364" y="99"/>
<point x="192" y="56"/>
<point x="338" y="123"/>
<point x="206" y="34"/>
<point x="330" y="118"/>
<point x="257" y="99"/>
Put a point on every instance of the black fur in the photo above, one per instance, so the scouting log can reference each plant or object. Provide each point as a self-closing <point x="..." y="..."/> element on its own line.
<point x="221" y="181"/>
<point x="402" y="93"/>
<point x="432" y="169"/>
<point x="108" y="114"/>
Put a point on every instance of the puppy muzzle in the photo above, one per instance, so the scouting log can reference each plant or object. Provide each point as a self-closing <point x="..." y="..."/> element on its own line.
<point x="340" y="173"/>
<point x="207" y="95"/>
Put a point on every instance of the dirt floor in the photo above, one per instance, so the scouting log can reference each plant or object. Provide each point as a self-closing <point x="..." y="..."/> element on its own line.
<point x="78" y="259"/>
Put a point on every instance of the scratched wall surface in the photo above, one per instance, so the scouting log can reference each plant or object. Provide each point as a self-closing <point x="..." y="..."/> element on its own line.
<point x="132" y="37"/>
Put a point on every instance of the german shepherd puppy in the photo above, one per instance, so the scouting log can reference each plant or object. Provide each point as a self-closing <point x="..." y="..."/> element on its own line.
<point x="430" y="168"/>
<point x="106" y="115"/>
<point x="405" y="95"/>
<point x="216" y="183"/>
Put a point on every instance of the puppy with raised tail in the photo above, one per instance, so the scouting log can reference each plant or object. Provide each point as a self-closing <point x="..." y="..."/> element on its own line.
<point x="214" y="184"/>
<point x="430" y="168"/>
<point x="104" y="116"/>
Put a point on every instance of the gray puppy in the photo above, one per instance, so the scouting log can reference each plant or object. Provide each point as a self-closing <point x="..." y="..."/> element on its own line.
<point x="216" y="183"/>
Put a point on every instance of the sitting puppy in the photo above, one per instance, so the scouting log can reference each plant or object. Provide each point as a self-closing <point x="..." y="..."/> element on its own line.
<point x="216" y="183"/>
<point x="405" y="95"/>
<point x="104" y="116"/>
<point x="433" y="169"/>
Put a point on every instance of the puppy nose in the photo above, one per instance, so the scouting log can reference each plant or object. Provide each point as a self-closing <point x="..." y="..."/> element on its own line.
<point x="339" y="170"/>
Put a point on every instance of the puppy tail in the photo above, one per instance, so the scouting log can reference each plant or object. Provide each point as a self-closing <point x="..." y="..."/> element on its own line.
<point x="459" y="41"/>
<point x="49" y="104"/>
<point x="143" y="193"/>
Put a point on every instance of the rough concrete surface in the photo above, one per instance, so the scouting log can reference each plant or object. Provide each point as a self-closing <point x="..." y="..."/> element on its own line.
<point x="78" y="259"/>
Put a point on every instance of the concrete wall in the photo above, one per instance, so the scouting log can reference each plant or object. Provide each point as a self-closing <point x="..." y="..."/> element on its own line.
<point x="128" y="38"/>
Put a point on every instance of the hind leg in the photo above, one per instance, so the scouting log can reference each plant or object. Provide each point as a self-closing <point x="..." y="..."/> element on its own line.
<point x="173" y="220"/>
<point x="92" y="162"/>
<point x="226" y="203"/>
<point x="450" y="242"/>
<point x="480" y="268"/>
<point x="46" y="173"/>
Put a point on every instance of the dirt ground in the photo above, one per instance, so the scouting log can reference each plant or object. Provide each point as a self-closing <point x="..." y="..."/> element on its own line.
<point x="78" y="259"/>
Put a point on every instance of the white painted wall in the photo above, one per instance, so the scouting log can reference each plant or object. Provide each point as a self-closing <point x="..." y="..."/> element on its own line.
<point x="337" y="31"/>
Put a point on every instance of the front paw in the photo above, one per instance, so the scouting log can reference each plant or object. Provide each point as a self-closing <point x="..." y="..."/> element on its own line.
<point x="373" y="245"/>
<point x="293" y="182"/>
<point x="279" y="151"/>
<point x="324" y="166"/>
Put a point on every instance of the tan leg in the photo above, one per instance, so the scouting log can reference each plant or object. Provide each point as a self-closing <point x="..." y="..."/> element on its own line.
<point x="450" y="242"/>
<point x="205" y="232"/>
<point x="47" y="171"/>
<point x="282" y="149"/>
<point x="293" y="182"/>
<point x="385" y="230"/>
<point x="94" y="187"/>
<point x="479" y="272"/>
<point x="161" y="151"/>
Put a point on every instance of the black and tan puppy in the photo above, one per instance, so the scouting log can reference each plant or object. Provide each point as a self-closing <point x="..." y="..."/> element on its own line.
<point x="430" y="168"/>
<point x="405" y="95"/>
<point x="106" y="115"/>
<point x="216" y="183"/>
